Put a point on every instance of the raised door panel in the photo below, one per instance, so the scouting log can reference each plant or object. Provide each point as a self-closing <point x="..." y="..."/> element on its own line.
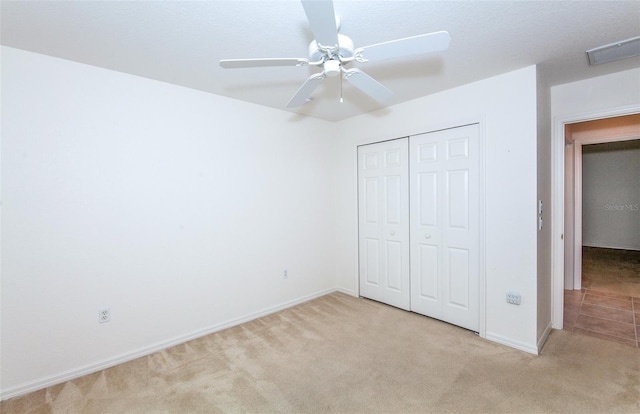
<point x="426" y="289"/>
<point x="371" y="262"/>
<point x="393" y="198"/>
<point x="371" y="200"/>
<point x="457" y="276"/>
<point x="458" y="199"/>
<point x="394" y="265"/>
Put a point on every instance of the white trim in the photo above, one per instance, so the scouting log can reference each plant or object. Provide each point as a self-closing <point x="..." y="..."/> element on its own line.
<point x="606" y="246"/>
<point x="482" y="253"/>
<point x="356" y="219"/>
<point x="478" y="118"/>
<point x="557" y="213"/>
<point x="577" y="216"/>
<point x="568" y="206"/>
<point x="544" y="336"/>
<point x="511" y="343"/>
<point x="608" y="138"/>
<point x="129" y="356"/>
<point x="349" y="292"/>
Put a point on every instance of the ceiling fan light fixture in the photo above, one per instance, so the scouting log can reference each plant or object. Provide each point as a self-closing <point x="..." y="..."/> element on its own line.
<point x="332" y="68"/>
<point x="614" y="51"/>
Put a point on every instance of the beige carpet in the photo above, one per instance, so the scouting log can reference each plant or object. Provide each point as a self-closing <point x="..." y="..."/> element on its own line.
<point x="339" y="354"/>
<point x="611" y="270"/>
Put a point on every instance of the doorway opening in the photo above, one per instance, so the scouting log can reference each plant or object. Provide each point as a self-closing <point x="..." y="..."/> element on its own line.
<point x="602" y="228"/>
<point x="611" y="217"/>
<point x="616" y="135"/>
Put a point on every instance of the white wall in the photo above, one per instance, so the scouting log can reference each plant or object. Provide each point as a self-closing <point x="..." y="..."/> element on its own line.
<point x="176" y="208"/>
<point x="611" y="196"/>
<point x="599" y="97"/>
<point x="506" y="108"/>
<point x="168" y="204"/>
<point x="597" y="94"/>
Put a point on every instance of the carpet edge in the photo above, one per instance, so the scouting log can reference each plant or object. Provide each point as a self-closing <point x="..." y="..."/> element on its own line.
<point x="74" y="373"/>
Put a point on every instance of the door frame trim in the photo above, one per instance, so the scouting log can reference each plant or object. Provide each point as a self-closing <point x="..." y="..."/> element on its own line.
<point x="557" y="197"/>
<point x="479" y="120"/>
<point x="577" y="188"/>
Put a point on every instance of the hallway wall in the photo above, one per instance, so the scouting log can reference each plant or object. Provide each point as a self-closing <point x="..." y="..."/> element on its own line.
<point x="611" y="195"/>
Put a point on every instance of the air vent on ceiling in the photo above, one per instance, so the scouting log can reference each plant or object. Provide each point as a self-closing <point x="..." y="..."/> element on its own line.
<point x="614" y="51"/>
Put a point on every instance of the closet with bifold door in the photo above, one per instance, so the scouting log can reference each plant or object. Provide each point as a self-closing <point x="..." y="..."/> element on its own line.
<point x="419" y="224"/>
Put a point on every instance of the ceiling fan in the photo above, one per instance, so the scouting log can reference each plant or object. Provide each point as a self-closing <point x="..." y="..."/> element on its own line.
<point x="333" y="52"/>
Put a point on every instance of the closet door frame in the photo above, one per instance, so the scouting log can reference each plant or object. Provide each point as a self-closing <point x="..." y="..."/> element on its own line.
<point x="481" y="122"/>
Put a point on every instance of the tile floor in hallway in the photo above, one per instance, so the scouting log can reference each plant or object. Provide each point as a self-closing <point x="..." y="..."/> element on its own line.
<point x="611" y="270"/>
<point x="604" y="315"/>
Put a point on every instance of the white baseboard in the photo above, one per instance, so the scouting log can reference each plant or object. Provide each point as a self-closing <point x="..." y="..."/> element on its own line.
<point x="126" y="357"/>
<point x="544" y="336"/>
<point x="606" y="246"/>
<point x="129" y="356"/>
<point x="347" y="292"/>
<point x="511" y="343"/>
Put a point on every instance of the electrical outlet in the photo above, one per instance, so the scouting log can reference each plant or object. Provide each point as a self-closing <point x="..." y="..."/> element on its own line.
<point x="104" y="315"/>
<point x="514" y="298"/>
<point x="285" y="275"/>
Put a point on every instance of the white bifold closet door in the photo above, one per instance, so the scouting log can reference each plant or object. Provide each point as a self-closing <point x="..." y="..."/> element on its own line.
<point x="445" y="222"/>
<point x="383" y="220"/>
<point x="418" y="216"/>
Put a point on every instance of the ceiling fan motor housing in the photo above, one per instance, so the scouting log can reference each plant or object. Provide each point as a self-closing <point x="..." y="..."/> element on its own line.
<point x="345" y="50"/>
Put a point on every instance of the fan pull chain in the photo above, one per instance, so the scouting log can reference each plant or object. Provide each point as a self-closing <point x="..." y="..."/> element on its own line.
<point x="341" y="100"/>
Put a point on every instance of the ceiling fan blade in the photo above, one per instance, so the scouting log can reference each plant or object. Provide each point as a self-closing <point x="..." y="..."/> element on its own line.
<point x="426" y="43"/>
<point x="262" y="62"/>
<point x="368" y="85"/>
<point x="322" y="20"/>
<point x="305" y="90"/>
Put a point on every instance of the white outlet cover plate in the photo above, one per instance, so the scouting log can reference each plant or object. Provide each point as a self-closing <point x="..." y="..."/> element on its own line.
<point x="104" y="315"/>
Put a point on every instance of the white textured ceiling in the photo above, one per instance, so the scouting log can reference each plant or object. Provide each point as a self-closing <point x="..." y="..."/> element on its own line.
<point x="181" y="42"/>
